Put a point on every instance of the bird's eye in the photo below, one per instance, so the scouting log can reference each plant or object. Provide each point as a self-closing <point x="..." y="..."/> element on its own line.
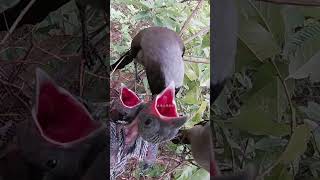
<point x="148" y="122"/>
<point x="51" y="163"/>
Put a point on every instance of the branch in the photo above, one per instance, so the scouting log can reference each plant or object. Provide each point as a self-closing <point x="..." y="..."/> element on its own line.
<point x="186" y="23"/>
<point x="200" y="33"/>
<point x="293" y="118"/>
<point x="295" y="2"/>
<point x="196" y="60"/>
<point x="16" y="22"/>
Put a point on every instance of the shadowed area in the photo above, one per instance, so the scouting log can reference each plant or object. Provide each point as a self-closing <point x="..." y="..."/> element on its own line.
<point x="60" y="117"/>
<point x="213" y="170"/>
<point x="128" y="98"/>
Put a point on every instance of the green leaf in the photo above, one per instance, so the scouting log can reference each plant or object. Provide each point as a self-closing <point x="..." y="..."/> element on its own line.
<point x="257" y="39"/>
<point x="269" y="144"/>
<point x="279" y="172"/>
<point x="190" y="72"/>
<point x="192" y="96"/>
<point x="157" y="21"/>
<point x="271" y="14"/>
<point x="315" y="132"/>
<point x="258" y="115"/>
<point x="297" y="144"/>
<point x="313" y="12"/>
<point x="200" y="174"/>
<point x="206" y="41"/>
<point x="198" y="115"/>
<point x="257" y="122"/>
<point x="298" y="39"/>
<point x="266" y="14"/>
<point x="142" y="15"/>
<point x="185" y="173"/>
<point x="155" y="171"/>
<point x="312" y="111"/>
<point x="310" y="68"/>
<point x="292" y="19"/>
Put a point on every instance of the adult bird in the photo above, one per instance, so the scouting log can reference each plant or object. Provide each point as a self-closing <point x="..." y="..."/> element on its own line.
<point x="160" y="50"/>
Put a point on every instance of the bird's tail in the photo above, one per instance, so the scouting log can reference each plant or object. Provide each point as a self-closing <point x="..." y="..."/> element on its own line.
<point x="125" y="59"/>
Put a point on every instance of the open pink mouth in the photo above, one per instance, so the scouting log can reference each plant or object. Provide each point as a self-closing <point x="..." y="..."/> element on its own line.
<point x="129" y="98"/>
<point x="165" y="103"/>
<point x="60" y="116"/>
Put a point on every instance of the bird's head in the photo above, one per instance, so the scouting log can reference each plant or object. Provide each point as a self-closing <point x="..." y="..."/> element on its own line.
<point x="159" y="121"/>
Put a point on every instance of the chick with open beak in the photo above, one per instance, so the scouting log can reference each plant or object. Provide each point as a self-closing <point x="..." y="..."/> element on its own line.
<point x="159" y="121"/>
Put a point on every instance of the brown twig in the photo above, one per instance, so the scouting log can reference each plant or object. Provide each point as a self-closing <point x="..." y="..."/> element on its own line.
<point x="97" y="76"/>
<point x="21" y="65"/>
<point x="5" y="20"/>
<point x="18" y="97"/>
<point x="48" y="52"/>
<point x="116" y="67"/>
<point x="269" y="169"/>
<point x="9" y="84"/>
<point x="191" y="162"/>
<point x="200" y="60"/>
<point x="200" y="33"/>
<point x="44" y="58"/>
<point x="12" y="114"/>
<point x="3" y="63"/>
<point x="174" y="168"/>
<point x="16" y="22"/>
<point x="186" y="23"/>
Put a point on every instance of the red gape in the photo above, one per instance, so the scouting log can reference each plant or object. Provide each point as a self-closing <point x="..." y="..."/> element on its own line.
<point x="129" y="98"/>
<point x="60" y="117"/>
<point x="165" y="103"/>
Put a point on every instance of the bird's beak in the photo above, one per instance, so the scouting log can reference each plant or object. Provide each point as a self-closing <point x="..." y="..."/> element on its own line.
<point x="129" y="98"/>
<point x="60" y="118"/>
<point x="165" y="105"/>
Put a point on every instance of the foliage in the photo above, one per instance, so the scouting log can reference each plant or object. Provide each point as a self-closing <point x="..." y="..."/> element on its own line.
<point x="258" y="120"/>
<point x="130" y="16"/>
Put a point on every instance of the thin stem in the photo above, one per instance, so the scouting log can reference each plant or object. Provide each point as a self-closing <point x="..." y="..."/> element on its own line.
<point x="293" y="119"/>
<point x="16" y="22"/>
<point x="200" y="33"/>
<point x="186" y="23"/>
